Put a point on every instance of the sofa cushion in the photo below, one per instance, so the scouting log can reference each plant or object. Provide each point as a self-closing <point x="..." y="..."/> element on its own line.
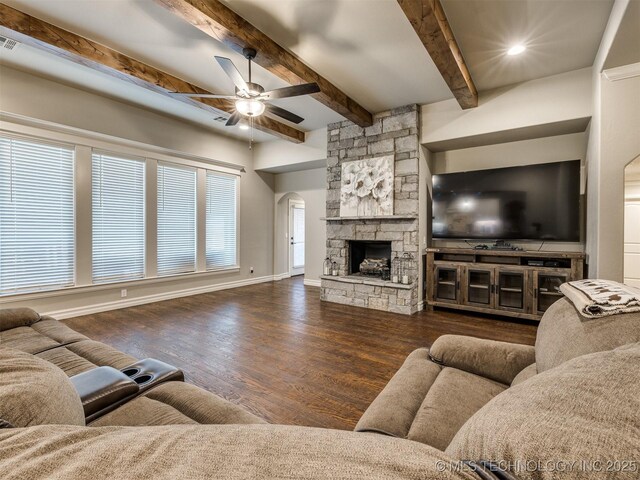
<point x="71" y="363"/>
<point x="17" y="317"/>
<point x="230" y="452"/>
<point x="452" y="399"/>
<point x="35" y="392"/>
<point x="564" y="334"/>
<point x="57" y="331"/>
<point x="586" y="410"/>
<point x="26" y="339"/>
<point x="141" y="412"/>
<point x="40" y="336"/>
<point x="426" y="402"/>
<point x="499" y="361"/>
<point x="201" y="405"/>
<point x="394" y="409"/>
<point x="174" y="403"/>
<point x="525" y="374"/>
<point x="101" y="355"/>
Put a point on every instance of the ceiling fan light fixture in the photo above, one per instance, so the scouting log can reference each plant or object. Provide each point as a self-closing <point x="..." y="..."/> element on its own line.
<point x="516" y="49"/>
<point x="242" y="126"/>
<point x="250" y="107"/>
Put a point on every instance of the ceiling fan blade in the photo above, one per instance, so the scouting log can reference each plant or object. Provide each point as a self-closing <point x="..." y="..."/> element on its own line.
<point x="286" y="114"/>
<point x="233" y="73"/>
<point x="204" y="95"/>
<point x="293" y="91"/>
<point x="233" y="119"/>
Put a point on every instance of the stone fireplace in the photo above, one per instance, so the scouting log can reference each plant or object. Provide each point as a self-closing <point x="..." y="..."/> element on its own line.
<point x="351" y="239"/>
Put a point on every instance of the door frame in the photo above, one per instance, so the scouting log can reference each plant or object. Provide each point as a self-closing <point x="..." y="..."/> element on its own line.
<point x="291" y="205"/>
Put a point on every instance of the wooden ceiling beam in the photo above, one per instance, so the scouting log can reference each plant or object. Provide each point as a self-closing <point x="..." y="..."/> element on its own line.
<point x="428" y="19"/>
<point x="223" y="24"/>
<point x="62" y="43"/>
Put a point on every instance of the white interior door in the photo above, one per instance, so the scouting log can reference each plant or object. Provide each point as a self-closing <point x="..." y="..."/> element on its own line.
<point x="296" y="238"/>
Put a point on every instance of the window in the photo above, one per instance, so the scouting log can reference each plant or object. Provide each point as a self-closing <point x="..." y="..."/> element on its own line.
<point x="36" y="216"/>
<point x="221" y="220"/>
<point x="118" y="218"/>
<point x="176" y="219"/>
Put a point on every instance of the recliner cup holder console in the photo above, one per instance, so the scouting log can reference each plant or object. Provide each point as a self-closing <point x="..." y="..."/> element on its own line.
<point x="142" y="379"/>
<point x="149" y="372"/>
<point x="130" y="372"/>
<point x="103" y="389"/>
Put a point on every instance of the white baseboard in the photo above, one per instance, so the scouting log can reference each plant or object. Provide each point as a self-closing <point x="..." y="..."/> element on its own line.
<point x="132" y="302"/>
<point x="281" y="276"/>
<point x="311" y="282"/>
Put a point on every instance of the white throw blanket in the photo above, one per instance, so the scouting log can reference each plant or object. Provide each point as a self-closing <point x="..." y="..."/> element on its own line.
<point x="599" y="298"/>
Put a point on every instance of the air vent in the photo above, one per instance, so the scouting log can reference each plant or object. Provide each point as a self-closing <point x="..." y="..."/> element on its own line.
<point x="8" y="43"/>
<point x="220" y="119"/>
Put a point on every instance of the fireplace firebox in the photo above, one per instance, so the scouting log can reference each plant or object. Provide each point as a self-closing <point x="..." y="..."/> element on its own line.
<point x="359" y="251"/>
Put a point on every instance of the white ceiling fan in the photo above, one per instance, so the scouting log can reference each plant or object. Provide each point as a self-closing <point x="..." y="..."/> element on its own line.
<point x="250" y="98"/>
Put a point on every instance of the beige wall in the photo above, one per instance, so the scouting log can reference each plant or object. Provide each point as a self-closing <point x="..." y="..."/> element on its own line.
<point x="526" y="152"/>
<point x="596" y="163"/>
<point x="545" y="101"/>
<point x="282" y="155"/>
<point x="31" y="96"/>
<point x="619" y="142"/>
<point x="310" y="185"/>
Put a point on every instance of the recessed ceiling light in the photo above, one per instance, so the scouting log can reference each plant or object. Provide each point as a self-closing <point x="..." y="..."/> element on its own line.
<point x="516" y="49"/>
<point x="243" y="127"/>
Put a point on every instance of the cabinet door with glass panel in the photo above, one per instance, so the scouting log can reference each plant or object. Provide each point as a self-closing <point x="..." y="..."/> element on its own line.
<point x="447" y="283"/>
<point x="478" y="287"/>
<point x="546" y="289"/>
<point x="511" y="290"/>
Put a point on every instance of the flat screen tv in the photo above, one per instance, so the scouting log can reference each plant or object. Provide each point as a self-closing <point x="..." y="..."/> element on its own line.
<point x="535" y="202"/>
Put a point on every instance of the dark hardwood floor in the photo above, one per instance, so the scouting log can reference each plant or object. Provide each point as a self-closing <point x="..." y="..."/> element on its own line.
<point x="278" y="351"/>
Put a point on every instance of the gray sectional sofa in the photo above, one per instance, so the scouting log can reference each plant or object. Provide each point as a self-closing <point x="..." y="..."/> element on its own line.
<point x="464" y="409"/>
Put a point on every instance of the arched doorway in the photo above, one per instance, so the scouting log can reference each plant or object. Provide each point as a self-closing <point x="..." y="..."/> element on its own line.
<point x="632" y="223"/>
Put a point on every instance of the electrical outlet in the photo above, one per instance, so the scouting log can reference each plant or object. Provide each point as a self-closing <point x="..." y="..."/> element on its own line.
<point x="250" y="269"/>
<point x="123" y="293"/>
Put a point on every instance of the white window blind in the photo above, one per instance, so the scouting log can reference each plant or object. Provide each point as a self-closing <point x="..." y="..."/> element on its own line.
<point x="221" y="220"/>
<point x="176" y="219"/>
<point x="36" y="216"/>
<point x="118" y="218"/>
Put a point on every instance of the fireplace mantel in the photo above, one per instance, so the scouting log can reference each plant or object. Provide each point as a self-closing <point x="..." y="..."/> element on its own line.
<point x="379" y="217"/>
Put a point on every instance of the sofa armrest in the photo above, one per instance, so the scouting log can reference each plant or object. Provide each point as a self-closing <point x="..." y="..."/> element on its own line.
<point x="499" y="361"/>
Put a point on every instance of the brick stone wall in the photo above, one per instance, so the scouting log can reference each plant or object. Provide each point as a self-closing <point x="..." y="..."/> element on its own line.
<point x="393" y="132"/>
